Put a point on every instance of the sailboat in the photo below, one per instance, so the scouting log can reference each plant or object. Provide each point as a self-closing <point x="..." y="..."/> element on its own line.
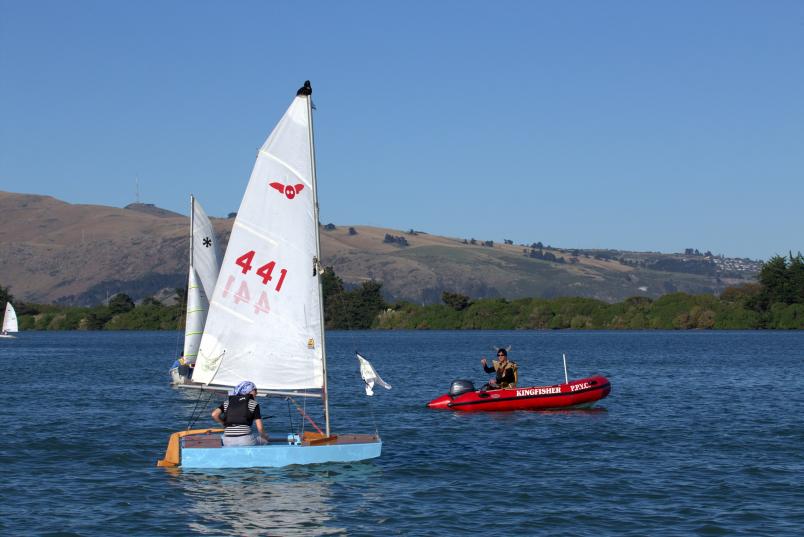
<point x="265" y="322"/>
<point x="9" y="322"/>
<point x="203" y="273"/>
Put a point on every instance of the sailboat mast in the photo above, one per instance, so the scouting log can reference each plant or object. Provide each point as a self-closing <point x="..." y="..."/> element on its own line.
<point x="307" y="90"/>
<point x="192" y="227"/>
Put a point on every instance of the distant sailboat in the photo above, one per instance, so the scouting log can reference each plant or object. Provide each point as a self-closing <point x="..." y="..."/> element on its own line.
<point x="265" y="321"/>
<point x="203" y="273"/>
<point x="9" y="322"/>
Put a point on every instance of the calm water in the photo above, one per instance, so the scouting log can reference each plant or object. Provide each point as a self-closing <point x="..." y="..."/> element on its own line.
<point x="702" y="435"/>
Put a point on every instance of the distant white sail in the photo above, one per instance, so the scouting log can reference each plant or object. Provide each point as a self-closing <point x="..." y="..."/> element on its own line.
<point x="370" y="376"/>
<point x="196" y="315"/>
<point x="10" y="319"/>
<point x="205" y="258"/>
<point x="264" y="321"/>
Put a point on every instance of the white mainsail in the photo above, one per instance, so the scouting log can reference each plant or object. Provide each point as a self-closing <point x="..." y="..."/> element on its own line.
<point x="196" y="315"/>
<point x="10" y="319"/>
<point x="264" y="322"/>
<point x="205" y="258"/>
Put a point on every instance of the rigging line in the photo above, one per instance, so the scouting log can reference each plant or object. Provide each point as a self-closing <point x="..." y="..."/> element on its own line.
<point x="179" y="331"/>
<point x="304" y="414"/>
<point x="192" y="414"/>
<point x="342" y="308"/>
<point x="194" y="417"/>
<point x="305" y="408"/>
<point x="371" y="409"/>
<point x="373" y="419"/>
<point x="290" y="416"/>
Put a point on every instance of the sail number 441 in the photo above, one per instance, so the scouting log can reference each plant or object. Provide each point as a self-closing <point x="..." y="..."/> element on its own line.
<point x="265" y="271"/>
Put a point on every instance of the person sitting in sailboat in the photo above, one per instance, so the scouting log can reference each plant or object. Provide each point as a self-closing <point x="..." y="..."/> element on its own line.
<point x="184" y="367"/>
<point x="506" y="371"/>
<point x="238" y="413"/>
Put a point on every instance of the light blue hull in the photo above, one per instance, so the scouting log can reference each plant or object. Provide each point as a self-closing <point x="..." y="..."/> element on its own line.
<point x="276" y="455"/>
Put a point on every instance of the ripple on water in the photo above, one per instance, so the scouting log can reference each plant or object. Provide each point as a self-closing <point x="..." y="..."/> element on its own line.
<point x="700" y="436"/>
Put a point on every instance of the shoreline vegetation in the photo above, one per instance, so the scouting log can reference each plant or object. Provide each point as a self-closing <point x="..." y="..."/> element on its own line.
<point x="775" y="301"/>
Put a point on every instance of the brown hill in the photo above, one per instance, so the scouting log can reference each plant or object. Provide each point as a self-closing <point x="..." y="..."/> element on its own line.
<point x="52" y="251"/>
<point x="150" y="208"/>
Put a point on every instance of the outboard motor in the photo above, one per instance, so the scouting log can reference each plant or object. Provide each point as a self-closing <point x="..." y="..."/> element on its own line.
<point x="460" y="387"/>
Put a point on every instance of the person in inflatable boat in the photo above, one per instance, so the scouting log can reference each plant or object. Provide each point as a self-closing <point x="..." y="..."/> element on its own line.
<point x="506" y="371"/>
<point x="237" y="413"/>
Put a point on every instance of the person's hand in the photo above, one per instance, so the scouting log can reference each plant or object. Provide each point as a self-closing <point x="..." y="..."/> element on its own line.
<point x="483" y="360"/>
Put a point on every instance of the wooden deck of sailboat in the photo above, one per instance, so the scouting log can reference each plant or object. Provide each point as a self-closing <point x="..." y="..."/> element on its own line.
<point x="342" y="439"/>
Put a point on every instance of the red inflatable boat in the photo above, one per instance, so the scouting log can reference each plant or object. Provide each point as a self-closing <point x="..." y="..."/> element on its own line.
<point x="581" y="393"/>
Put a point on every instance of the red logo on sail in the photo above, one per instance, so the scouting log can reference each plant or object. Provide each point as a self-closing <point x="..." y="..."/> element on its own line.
<point x="288" y="190"/>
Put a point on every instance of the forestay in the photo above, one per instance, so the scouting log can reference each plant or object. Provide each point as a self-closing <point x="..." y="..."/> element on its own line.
<point x="264" y="321"/>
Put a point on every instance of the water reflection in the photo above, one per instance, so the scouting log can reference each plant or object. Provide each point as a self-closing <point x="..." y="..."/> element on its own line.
<point x="298" y="500"/>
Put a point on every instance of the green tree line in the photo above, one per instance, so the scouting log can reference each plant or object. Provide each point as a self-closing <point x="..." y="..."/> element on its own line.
<point x="775" y="301"/>
<point x="119" y="314"/>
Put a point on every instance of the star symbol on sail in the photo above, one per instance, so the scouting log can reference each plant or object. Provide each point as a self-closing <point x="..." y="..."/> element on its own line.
<point x="289" y="191"/>
<point x="207" y="242"/>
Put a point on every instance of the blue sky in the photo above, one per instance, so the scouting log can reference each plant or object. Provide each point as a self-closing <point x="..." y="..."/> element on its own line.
<point x="631" y="125"/>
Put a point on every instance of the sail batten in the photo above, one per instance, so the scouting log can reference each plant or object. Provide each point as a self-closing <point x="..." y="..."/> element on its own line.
<point x="233" y="313"/>
<point x="196" y="315"/>
<point x="264" y="323"/>
<point x="260" y="234"/>
<point x="288" y="167"/>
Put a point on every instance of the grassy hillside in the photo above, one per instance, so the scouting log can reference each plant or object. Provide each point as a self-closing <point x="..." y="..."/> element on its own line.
<point x="56" y="252"/>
